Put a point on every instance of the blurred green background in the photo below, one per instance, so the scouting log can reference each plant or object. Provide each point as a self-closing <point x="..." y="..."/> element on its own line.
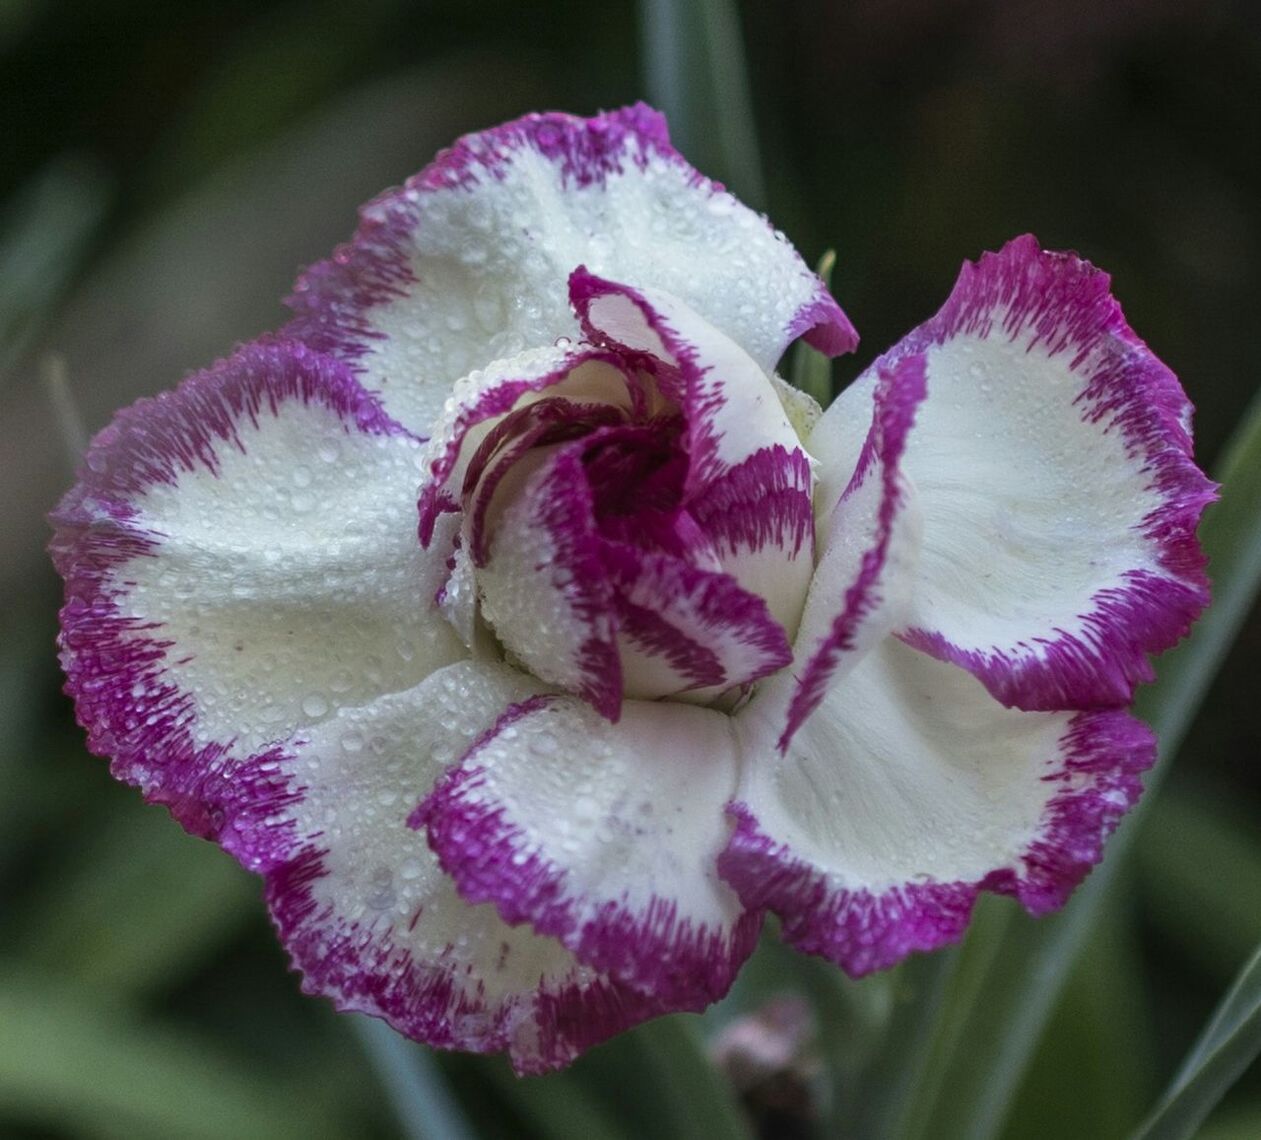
<point x="164" y="170"/>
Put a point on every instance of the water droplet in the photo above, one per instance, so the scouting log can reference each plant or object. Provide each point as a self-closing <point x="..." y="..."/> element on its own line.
<point x="342" y="681"/>
<point x="544" y="744"/>
<point x="314" y="704"/>
<point x="488" y="308"/>
<point x="382" y="896"/>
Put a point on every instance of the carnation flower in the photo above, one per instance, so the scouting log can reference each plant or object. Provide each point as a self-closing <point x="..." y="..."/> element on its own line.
<point x="532" y="639"/>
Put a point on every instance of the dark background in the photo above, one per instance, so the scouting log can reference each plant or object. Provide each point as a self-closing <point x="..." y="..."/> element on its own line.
<point x="164" y="170"/>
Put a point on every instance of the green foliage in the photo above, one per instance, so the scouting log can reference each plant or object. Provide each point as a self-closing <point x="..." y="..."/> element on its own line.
<point x="695" y="71"/>
<point x="1229" y="1044"/>
<point x="44" y="233"/>
<point x="69" y="1058"/>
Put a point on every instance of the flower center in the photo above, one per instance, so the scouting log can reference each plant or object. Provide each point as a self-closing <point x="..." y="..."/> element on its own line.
<point x="598" y="559"/>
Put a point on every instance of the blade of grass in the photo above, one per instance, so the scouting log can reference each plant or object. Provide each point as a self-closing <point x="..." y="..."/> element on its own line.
<point x="1228" y="1045"/>
<point x="135" y="905"/>
<point x="1214" y="919"/>
<point x="417" y="1089"/>
<point x="1029" y="973"/>
<point x="43" y="236"/>
<point x="695" y="1098"/>
<point x="1099" y="1042"/>
<point x="695" y="71"/>
<point x="83" y="1068"/>
<point x="558" y="1105"/>
<point x="903" y="1057"/>
<point x="1235" y="1123"/>
<point x="55" y="378"/>
<point x="938" y="1044"/>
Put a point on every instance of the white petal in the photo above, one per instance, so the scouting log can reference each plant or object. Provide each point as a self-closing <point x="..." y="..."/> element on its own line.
<point x="871" y="536"/>
<point x="468" y="262"/>
<point x="366" y="912"/>
<point x="241" y="560"/>
<point x="605" y="837"/>
<point x="482" y="399"/>
<point x="1053" y="466"/>
<point x="728" y="398"/>
<point x="545" y="590"/>
<point x="910" y="790"/>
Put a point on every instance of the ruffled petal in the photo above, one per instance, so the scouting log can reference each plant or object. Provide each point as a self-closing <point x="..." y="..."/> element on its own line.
<point x="1052" y="460"/>
<point x="909" y="791"/>
<point x="240" y="560"/>
<point x="360" y="902"/>
<point x="729" y="403"/>
<point x="467" y="263"/>
<point x="484" y="399"/>
<point x="545" y="590"/>
<point x="759" y="521"/>
<point x="871" y="537"/>
<point x="603" y="836"/>
<point x="688" y="631"/>
<point x="605" y="618"/>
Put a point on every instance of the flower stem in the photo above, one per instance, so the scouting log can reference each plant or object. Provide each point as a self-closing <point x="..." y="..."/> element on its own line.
<point x="419" y="1094"/>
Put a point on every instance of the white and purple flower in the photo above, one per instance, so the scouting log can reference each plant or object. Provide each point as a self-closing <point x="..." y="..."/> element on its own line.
<point x="532" y="639"/>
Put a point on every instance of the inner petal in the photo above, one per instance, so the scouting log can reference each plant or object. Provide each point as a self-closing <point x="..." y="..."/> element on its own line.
<point x="599" y="580"/>
<point x="635" y="518"/>
<point x="485" y="400"/>
<point x="501" y="460"/>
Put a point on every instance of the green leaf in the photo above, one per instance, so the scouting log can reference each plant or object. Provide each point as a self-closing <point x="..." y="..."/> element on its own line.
<point x="1100" y="1043"/>
<point x="1001" y="1032"/>
<point x="1229" y="1044"/>
<point x="416" y="1087"/>
<point x="1241" y="1123"/>
<point x="908" y="1047"/>
<point x="1231" y="535"/>
<point x="1214" y="919"/>
<point x="931" y="1052"/>
<point x="811" y="370"/>
<point x="694" y="71"/>
<point x="693" y="1097"/>
<point x="73" y="1064"/>
<point x="43" y="236"/>
<point x="557" y="1106"/>
<point x="136" y="905"/>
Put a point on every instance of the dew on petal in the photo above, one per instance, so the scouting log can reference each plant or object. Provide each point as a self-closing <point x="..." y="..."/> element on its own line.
<point x="314" y="705"/>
